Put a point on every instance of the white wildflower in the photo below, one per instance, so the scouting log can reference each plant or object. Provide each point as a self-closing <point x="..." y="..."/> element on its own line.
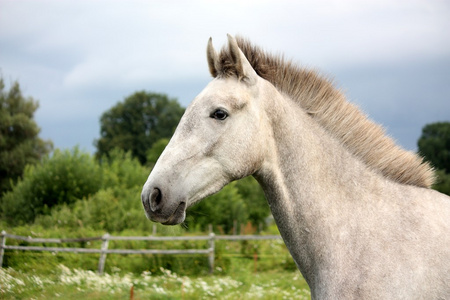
<point x="158" y="289"/>
<point x="36" y="280"/>
<point x="8" y="282"/>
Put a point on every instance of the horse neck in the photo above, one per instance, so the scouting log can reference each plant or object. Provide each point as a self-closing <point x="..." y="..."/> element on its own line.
<point x="309" y="180"/>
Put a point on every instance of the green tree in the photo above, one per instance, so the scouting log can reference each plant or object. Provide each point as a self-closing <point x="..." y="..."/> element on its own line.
<point x="19" y="141"/>
<point x="434" y="145"/>
<point x="135" y="124"/>
<point x="442" y="183"/>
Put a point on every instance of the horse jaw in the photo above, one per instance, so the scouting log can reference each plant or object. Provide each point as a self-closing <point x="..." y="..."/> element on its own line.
<point x="169" y="191"/>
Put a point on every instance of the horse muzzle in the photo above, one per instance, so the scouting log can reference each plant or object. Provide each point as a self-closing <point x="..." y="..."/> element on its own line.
<point x="159" y="208"/>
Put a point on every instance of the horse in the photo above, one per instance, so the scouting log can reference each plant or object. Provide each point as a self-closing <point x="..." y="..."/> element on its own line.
<point x="354" y="209"/>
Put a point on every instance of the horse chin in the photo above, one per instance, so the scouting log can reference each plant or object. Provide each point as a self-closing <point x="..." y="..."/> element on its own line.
<point x="178" y="216"/>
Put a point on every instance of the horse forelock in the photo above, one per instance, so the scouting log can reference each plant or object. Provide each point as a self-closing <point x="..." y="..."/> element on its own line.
<point x="329" y="107"/>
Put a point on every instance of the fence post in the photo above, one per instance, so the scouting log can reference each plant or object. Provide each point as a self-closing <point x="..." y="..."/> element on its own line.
<point x="2" y="249"/>
<point x="211" y="252"/>
<point x="102" y="260"/>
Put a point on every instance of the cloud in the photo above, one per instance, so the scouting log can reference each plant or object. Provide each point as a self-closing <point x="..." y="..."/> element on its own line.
<point x="80" y="57"/>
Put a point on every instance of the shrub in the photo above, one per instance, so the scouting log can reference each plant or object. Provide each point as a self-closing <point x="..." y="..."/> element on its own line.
<point x="121" y="169"/>
<point x="62" y="178"/>
<point x="221" y="209"/>
<point x="69" y="176"/>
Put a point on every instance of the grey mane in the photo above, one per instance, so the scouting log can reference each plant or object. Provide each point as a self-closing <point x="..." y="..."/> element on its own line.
<point x="329" y="107"/>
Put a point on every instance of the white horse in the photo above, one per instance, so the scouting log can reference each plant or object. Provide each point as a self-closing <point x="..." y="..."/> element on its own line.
<point x="354" y="209"/>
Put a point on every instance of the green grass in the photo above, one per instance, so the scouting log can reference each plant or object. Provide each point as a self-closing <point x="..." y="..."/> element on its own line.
<point x="64" y="283"/>
<point x="243" y="270"/>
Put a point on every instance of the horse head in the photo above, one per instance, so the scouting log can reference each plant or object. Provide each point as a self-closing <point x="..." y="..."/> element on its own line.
<point x="219" y="139"/>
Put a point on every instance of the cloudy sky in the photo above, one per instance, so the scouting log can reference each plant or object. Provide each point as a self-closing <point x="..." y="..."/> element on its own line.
<point x="79" y="58"/>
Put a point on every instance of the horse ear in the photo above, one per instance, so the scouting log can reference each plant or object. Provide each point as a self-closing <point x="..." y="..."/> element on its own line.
<point x="211" y="56"/>
<point x="243" y="67"/>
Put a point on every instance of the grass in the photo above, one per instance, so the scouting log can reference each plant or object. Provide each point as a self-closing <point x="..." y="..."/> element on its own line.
<point x="68" y="283"/>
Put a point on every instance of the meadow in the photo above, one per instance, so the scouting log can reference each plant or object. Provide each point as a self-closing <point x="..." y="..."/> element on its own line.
<point x="65" y="283"/>
<point x="247" y="269"/>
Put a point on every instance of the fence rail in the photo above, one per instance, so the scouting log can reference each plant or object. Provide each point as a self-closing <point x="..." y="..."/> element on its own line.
<point x="103" y="251"/>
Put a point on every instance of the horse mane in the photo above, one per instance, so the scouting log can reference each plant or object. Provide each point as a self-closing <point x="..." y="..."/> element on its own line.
<point x="329" y="107"/>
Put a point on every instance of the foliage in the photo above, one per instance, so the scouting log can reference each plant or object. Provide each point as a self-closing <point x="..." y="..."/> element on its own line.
<point x="156" y="150"/>
<point x="72" y="189"/>
<point x="221" y="209"/>
<point x="135" y="124"/>
<point x="253" y="196"/>
<point x="434" y="144"/>
<point x="236" y="204"/>
<point x="122" y="170"/>
<point x="442" y="183"/>
<point x="110" y="210"/>
<point x="62" y="178"/>
<point x="113" y="206"/>
<point x="19" y="141"/>
<point x="231" y="257"/>
<point x="72" y="186"/>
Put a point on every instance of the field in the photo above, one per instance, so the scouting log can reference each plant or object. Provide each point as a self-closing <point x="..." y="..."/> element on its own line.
<point x="64" y="283"/>
<point x="238" y="272"/>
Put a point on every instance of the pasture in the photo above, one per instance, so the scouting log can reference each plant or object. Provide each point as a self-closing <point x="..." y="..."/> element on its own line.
<point x="68" y="283"/>
<point x="237" y="274"/>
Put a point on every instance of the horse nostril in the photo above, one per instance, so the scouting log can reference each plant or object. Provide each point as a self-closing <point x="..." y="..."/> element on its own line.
<point x="155" y="199"/>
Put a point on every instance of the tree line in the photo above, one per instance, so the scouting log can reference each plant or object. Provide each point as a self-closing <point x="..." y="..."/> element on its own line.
<point x="74" y="188"/>
<point x="102" y="191"/>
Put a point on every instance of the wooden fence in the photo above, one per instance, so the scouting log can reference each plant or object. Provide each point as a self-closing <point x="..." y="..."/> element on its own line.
<point x="103" y="251"/>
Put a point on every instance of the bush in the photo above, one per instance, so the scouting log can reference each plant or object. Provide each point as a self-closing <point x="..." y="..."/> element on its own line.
<point x="113" y="208"/>
<point x="62" y="178"/>
<point x="110" y="210"/>
<point x="67" y="177"/>
<point x="253" y="196"/>
<point x="221" y="209"/>
<point x="120" y="169"/>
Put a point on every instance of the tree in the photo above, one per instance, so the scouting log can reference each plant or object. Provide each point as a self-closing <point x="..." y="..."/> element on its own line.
<point x="442" y="183"/>
<point x="19" y="141"/>
<point x="434" y="145"/>
<point x="135" y="124"/>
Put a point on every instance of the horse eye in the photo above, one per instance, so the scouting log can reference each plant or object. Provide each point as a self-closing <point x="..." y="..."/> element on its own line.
<point x="219" y="114"/>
